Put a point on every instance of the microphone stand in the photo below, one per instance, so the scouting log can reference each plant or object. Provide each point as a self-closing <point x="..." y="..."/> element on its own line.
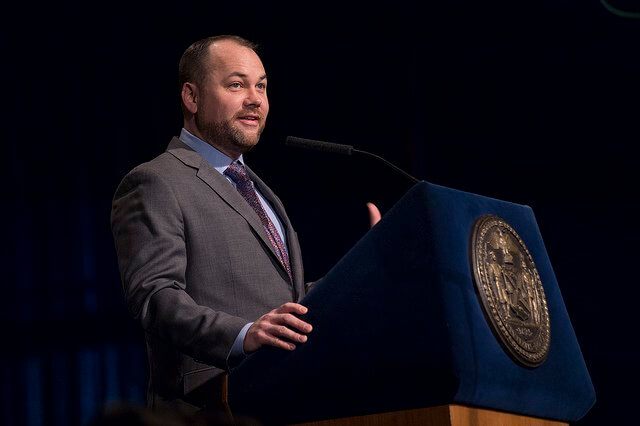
<point x="341" y="149"/>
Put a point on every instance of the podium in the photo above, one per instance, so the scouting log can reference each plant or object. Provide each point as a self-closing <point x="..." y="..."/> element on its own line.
<point x="399" y="326"/>
<point x="443" y="415"/>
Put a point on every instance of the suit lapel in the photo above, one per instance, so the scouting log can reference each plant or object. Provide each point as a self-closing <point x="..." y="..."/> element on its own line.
<point x="295" y="257"/>
<point x="227" y="192"/>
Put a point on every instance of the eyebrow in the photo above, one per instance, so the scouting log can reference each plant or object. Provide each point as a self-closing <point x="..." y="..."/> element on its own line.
<point x="243" y="75"/>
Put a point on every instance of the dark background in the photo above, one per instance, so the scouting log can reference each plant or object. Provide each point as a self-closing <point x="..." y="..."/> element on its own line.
<point x="532" y="102"/>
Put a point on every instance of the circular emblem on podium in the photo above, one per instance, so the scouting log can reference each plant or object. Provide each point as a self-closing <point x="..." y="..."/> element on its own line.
<point x="510" y="290"/>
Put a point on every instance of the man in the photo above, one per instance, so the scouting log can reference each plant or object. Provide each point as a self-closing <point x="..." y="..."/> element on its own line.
<point x="209" y="260"/>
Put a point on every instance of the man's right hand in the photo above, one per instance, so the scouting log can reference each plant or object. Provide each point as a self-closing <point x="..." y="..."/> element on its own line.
<point x="278" y="328"/>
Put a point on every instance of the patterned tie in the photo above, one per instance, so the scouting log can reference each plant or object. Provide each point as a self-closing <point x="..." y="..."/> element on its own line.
<point x="238" y="174"/>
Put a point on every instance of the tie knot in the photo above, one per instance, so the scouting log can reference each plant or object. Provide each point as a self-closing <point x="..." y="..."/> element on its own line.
<point x="237" y="173"/>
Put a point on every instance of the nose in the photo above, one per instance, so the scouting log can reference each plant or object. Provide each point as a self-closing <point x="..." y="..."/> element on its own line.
<point x="253" y="99"/>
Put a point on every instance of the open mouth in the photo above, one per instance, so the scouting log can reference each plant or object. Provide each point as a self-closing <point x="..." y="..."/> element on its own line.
<point x="250" y="119"/>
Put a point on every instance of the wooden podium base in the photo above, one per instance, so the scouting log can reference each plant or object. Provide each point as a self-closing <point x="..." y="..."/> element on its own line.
<point x="443" y="415"/>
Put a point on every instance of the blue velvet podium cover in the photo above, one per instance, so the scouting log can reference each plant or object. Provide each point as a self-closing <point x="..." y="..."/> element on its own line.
<point x="398" y="325"/>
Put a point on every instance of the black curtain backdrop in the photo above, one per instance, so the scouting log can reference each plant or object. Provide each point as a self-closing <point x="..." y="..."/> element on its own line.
<point x="532" y="102"/>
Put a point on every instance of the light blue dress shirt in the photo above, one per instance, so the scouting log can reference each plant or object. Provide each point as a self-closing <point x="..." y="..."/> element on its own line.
<point x="220" y="162"/>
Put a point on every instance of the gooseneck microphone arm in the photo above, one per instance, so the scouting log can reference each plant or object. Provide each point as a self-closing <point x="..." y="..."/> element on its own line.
<point x="388" y="163"/>
<point x="341" y="149"/>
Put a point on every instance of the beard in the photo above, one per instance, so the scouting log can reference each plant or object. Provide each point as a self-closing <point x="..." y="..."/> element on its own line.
<point x="227" y="136"/>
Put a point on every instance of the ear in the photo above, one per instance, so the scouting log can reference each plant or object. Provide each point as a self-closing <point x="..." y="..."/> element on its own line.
<point x="190" y="97"/>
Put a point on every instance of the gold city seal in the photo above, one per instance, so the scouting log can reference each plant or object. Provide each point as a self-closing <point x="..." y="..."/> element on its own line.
<point x="510" y="290"/>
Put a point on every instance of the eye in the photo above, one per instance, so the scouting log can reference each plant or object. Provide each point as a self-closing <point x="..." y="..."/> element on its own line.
<point x="235" y="85"/>
<point x="261" y="86"/>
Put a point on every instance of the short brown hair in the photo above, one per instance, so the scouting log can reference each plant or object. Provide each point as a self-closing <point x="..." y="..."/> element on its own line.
<point x="193" y="67"/>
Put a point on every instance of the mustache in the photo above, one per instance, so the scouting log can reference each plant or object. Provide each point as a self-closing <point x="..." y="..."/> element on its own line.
<point x="249" y="113"/>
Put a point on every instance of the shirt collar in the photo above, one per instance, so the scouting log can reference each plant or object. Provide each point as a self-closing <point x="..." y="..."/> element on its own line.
<point x="214" y="157"/>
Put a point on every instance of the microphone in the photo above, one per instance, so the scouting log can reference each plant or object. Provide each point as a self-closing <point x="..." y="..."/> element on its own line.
<point x="337" y="148"/>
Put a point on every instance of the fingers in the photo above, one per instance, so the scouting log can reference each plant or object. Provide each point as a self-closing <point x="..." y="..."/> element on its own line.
<point x="279" y="328"/>
<point x="264" y="338"/>
<point x="291" y="307"/>
<point x="282" y="331"/>
<point x="294" y="322"/>
<point x="283" y="316"/>
<point x="374" y="214"/>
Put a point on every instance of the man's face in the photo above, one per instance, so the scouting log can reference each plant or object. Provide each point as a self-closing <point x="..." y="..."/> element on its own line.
<point x="233" y="106"/>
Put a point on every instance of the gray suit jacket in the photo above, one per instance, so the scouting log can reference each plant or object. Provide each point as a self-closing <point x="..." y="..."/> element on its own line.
<point x="196" y="266"/>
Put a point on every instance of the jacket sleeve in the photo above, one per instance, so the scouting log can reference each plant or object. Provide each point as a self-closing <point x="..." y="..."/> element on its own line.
<point x="149" y="234"/>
